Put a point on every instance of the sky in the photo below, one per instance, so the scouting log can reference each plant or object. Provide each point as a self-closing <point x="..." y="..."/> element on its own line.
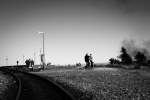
<point x="72" y="29"/>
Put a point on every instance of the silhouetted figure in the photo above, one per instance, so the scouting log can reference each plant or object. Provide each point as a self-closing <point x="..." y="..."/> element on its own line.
<point x="32" y="63"/>
<point x="17" y="62"/>
<point x="87" y="60"/>
<point x="27" y="63"/>
<point x="91" y="61"/>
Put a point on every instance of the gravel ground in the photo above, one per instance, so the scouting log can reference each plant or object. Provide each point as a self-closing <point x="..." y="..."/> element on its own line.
<point x="7" y="86"/>
<point x="102" y="83"/>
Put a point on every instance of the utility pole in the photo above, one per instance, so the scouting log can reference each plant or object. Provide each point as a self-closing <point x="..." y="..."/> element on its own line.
<point x="43" y="44"/>
<point x="43" y="55"/>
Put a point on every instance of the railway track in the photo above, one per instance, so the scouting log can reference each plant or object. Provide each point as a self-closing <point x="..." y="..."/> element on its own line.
<point x="33" y="87"/>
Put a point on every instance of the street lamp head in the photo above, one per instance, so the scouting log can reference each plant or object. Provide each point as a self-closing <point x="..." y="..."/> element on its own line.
<point x="41" y="32"/>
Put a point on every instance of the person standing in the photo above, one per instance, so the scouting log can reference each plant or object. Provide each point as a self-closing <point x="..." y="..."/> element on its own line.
<point x="91" y="61"/>
<point x="27" y="63"/>
<point x="32" y="63"/>
<point x="87" y="60"/>
<point x="17" y="62"/>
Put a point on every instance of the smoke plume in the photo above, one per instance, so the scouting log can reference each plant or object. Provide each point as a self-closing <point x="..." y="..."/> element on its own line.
<point x="133" y="47"/>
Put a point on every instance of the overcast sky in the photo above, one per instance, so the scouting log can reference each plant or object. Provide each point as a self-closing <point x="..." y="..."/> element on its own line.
<point x="72" y="27"/>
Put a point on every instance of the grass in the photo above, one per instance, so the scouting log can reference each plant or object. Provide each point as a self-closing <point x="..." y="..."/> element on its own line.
<point x="7" y="86"/>
<point x="101" y="83"/>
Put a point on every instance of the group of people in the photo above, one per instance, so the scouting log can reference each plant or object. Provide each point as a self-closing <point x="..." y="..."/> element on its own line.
<point x="29" y="63"/>
<point x="89" y="61"/>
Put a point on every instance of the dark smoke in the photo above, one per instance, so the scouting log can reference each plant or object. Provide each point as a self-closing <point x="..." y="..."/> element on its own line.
<point x="133" y="47"/>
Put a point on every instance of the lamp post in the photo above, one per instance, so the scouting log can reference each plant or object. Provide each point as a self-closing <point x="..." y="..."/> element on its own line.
<point x="43" y="55"/>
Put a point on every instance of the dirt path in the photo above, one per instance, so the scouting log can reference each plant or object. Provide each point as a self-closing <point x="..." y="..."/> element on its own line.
<point x="35" y="88"/>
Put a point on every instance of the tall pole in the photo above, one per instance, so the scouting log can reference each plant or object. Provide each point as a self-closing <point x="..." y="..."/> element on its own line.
<point x="43" y="55"/>
<point x="43" y="43"/>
